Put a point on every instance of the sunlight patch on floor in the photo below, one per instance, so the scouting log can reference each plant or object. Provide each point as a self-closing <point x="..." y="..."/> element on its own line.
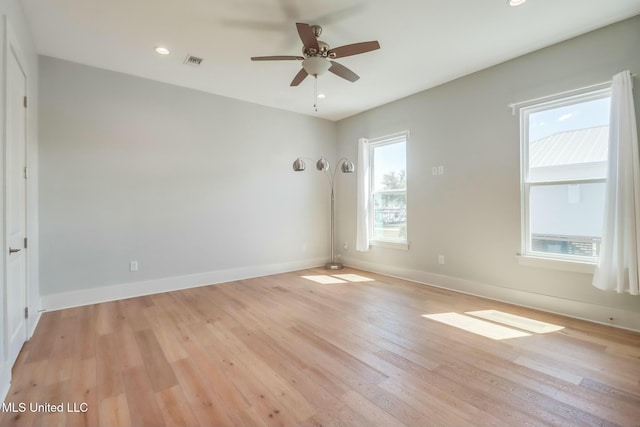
<point x="519" y="322"/>
<point x="324" y="279"/>
<point x="337" y="278"/>
<point x="476" y="326"/>
<point x="353" y="278"/>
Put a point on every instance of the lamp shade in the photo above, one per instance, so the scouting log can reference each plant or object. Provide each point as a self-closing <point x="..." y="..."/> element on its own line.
<point x="347" y="167"/>
<point x="316" y="65"/>
<point x="322" y="164"/>
<point x="299" y="165"/>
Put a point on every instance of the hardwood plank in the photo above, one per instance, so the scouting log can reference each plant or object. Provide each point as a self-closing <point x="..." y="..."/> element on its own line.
<point x="374" y="414"/>
<point x="45" y="334"/>
<point x="548" y="369"/>
<point x="226" y="393"/>
<point x="133" y="310"/>
<point x="83" y="390"/>
<point x="154" y="361"/>
<point x="520" y="399"/>
<point x="85" y="343"/>
<point x="114" y="411"/>
<point x="175" y="408"/>
<point x="434" y="411"/>
<point x="28" y="382"/>
<point x="108" y="369"/>
<point x="282" y="350"/>
<point x="166" y="333"/>
<point x="58" y="370"/>
<point x="618" y="411"/>
<point x="264" y="401"/>
<point x="143" y="409"/>
<point x="291" y="400"/>
<point x="202" y="399"/>
<point x="51" y="396"/>
<point x="108" y="317"/>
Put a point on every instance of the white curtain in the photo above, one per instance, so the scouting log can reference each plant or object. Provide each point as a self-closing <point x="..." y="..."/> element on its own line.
<point x="362" y="214"/>
<point x="617" y="268"/>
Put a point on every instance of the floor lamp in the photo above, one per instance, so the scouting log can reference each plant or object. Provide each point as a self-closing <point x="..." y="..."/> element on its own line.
<point x="346" y="166"/>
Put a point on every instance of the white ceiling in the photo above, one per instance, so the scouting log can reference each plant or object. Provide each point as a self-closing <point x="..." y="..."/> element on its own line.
<point x="423" y="42"/>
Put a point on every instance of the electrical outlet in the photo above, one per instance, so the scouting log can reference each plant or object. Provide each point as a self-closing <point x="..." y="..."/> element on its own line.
<point x="345" y="246"/>
<point x="133" y="266"/>
<point x="440" y="259"/>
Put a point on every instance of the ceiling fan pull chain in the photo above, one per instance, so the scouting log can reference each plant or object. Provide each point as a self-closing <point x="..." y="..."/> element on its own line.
<point x="315" y="95"/>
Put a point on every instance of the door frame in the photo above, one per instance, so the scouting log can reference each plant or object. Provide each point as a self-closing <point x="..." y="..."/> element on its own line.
<point x="11" y="47"/>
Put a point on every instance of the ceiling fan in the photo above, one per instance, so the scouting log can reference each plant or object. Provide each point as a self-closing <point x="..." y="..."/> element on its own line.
<point x="318" y="56"/>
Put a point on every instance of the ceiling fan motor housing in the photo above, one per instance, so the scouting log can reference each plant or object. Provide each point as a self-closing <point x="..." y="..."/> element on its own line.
<point x="324" y="51"/>
<point x="318" y="56"/>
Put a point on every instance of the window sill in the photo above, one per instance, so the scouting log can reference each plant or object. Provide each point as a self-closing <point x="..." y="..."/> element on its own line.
<point x="403" y="246"/>
<point x="557" y="264"/>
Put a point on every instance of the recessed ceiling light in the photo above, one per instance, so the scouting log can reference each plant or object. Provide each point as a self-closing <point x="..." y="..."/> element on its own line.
<point x="162" y="50"/>
<point x="515" y="2"/>
<point x="322" y="95"/>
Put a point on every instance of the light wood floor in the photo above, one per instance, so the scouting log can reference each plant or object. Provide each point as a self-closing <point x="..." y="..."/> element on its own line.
<point x="283" y="350"/>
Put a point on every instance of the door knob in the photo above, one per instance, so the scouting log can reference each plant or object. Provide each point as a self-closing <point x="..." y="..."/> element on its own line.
<point x="12" y="250"/>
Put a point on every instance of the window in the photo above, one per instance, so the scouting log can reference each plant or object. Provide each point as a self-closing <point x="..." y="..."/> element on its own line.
<point x="388" y="189"/>
<point x="564" y="166"/>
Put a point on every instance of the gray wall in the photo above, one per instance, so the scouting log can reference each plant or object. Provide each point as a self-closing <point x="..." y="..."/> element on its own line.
<point x="12" y="11"/>
<point x="186" y="182"/>
<point x="471" y="214"/>
<point x="181" y="181"/>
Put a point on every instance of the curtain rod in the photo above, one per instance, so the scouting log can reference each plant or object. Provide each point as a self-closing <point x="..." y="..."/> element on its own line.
<point x="515" y="105"/>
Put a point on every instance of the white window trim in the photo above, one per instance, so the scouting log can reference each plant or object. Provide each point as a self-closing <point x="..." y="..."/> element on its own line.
<point x="371" y="145"/>
<point x="389" y="244"/>
<point x="544" y="259"/>
<point x="576" y="266"/>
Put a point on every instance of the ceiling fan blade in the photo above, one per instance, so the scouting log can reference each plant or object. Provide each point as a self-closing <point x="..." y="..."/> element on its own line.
<point x="308" y="38"/>
<point x="276" y="58"/>
<point x="302" y="74"/>
<point x="354" y="49"/>
<point x="342" y="71"/>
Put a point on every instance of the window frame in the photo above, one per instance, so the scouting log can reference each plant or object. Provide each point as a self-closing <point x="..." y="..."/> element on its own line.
<point x="526" y="185"/>
<point x="400" y="137"/>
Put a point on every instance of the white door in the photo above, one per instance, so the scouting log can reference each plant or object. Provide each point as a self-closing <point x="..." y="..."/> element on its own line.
<point x="15" y="207"/>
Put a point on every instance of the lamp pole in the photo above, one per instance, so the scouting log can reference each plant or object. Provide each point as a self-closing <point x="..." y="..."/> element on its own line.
<point x="332" y="264"/>
<point x="346" y="166"/>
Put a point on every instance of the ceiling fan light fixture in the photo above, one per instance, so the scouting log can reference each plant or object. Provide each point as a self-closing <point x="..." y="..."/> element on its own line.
<point x="515" y="2"/>
<point x="316" y="65"/>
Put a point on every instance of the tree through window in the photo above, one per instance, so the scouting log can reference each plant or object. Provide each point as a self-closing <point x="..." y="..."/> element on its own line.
<point x="388" y="189"/>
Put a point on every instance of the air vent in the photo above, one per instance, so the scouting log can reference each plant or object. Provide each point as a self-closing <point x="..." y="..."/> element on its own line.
<point x="193" y="60"/>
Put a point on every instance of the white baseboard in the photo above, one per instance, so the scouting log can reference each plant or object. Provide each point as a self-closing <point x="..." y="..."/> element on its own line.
<point x="148" y="287"/>
<point x="34" y="318"/>
<point x="580" y="310"/>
